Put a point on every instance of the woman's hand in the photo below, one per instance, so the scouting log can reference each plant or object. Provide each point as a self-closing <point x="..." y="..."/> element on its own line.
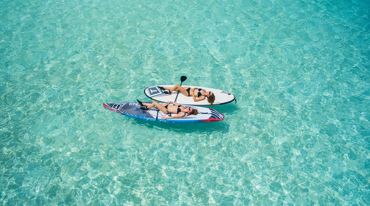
<point x="174" y="116"/>
<point x="197" y="99"/>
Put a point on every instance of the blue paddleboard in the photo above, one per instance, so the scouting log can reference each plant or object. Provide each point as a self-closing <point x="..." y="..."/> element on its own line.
<point x="132" y="109"/>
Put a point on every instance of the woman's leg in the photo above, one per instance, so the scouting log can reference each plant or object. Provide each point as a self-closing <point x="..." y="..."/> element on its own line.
<point x="178" y="88"/>
<point x="172" y="89"/>
<point x="155" y="105"/>
<point x="148" y="105"/>
<point x="184" y="91"/>
<point x="160" y="107"/>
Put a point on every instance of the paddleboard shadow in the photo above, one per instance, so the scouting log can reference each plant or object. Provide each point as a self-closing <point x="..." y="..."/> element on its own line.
<point x="186" y="128"/>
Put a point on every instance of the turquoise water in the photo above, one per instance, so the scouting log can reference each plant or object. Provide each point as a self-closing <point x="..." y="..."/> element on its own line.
<point x="299" y="133"/>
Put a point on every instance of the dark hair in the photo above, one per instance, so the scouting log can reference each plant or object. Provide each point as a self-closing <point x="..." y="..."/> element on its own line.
<point x="211" y="98"/>
<point x="194" y="112"/>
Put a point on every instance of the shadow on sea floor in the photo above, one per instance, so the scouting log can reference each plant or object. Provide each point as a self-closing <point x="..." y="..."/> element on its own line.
<point x="200" y="127"/>
<point x="228" y="110"/>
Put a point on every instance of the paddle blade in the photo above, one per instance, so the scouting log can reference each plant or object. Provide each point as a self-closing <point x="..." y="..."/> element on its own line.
<point x="183" y="78"/>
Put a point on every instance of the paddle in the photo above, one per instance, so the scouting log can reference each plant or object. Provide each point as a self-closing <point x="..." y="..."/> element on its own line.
<point x="182" y="79"/>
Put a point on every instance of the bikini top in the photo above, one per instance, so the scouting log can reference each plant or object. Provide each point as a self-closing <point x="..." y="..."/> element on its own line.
<point x="199" y="92"/>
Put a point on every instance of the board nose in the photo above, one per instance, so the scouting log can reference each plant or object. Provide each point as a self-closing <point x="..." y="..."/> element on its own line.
<point x="105" y="105"/>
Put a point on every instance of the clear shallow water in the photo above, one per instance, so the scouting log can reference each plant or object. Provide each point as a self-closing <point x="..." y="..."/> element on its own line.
<point x="298" y="134"/>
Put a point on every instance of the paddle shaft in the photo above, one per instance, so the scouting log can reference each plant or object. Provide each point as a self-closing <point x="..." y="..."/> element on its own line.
<point x="182" y="79"/>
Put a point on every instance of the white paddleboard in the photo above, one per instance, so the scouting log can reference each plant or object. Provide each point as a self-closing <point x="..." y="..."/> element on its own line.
<point x="155" y="93"/>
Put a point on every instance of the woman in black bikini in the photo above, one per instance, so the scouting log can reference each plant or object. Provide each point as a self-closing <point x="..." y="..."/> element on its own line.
<point x="172" y="110"/>
<point x="198" y="94"/>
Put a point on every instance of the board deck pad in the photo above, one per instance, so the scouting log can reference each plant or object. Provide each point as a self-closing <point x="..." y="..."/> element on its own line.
<point x="155" y="93"/>
<point x="132" y="109"/>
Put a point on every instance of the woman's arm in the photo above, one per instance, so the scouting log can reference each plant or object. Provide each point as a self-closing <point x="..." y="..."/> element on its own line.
<point x="173" y="116"/>
<point x="197" y="99"/>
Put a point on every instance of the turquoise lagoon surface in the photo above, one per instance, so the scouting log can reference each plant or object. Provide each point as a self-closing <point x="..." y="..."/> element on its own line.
<point x="299" y="133"/>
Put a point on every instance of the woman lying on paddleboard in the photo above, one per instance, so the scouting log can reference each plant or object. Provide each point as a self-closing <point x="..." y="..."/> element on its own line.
<point x="198" y="94"/>
<point x="172" y="110"/>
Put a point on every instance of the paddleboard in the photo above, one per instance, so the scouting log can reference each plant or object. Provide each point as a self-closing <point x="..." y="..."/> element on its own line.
<point x="155" y="93"/>
<point x="132" y="109"/>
